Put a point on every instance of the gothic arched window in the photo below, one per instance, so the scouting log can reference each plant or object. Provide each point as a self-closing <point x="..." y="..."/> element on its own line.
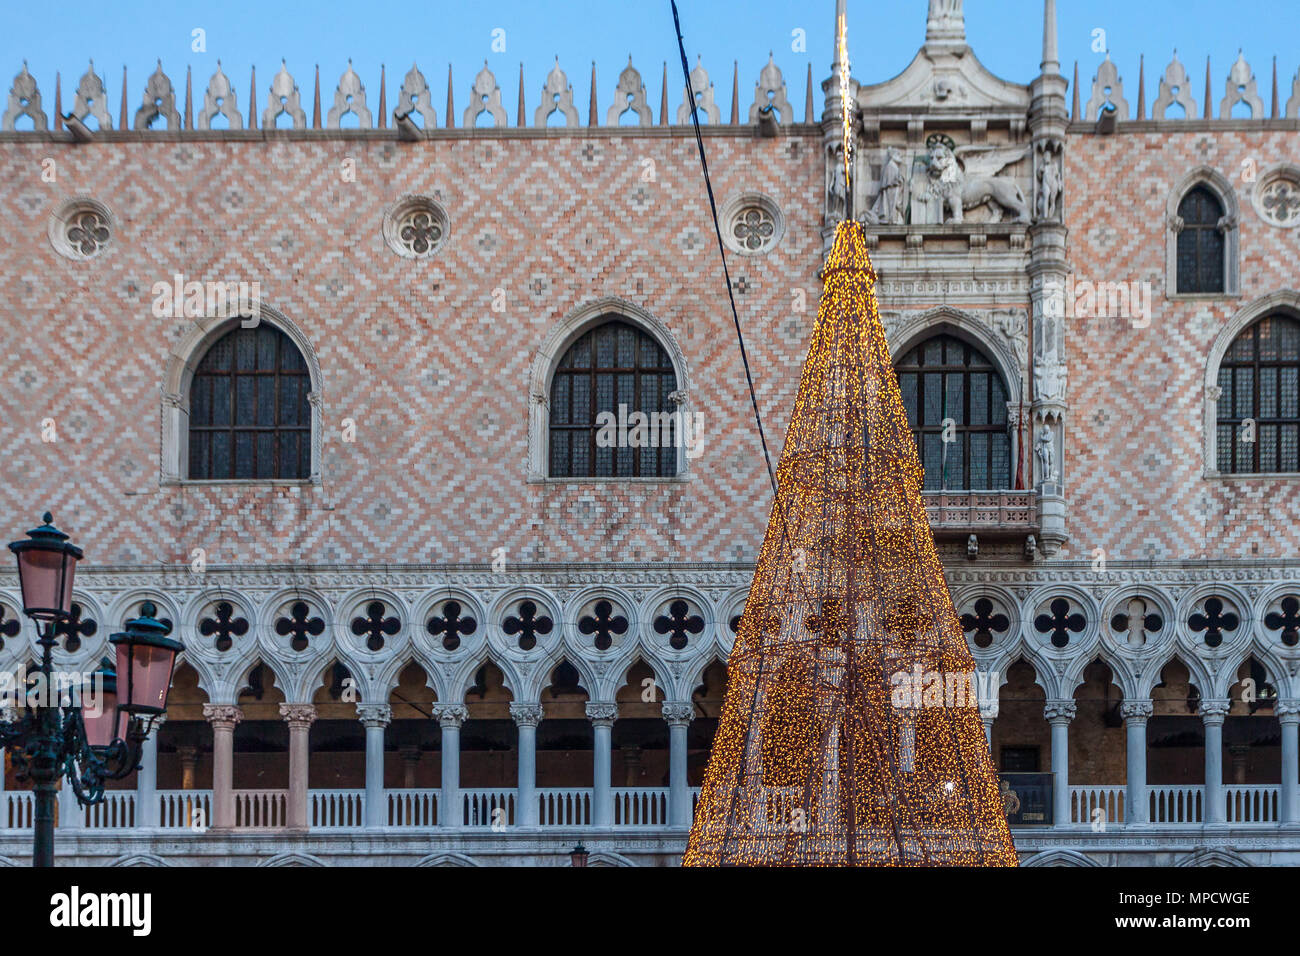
<point x="1201" y="247"/>
<point x="249" y="414"/>
<point x="1259" y="407"/>
<point x="946" y="378"/>
<point x="618" y="370"/>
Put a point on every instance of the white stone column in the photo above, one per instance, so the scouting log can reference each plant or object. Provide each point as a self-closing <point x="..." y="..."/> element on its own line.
<point x="1213" y="713"/>
<point x="1136" y="713"/>
<point x="602" y="716"/>
<point x="223" y="718"/>
<point x="988" y="714"/>
<point x="375" y="718"/>
<point x="146" y="781"/>
<point x="526" y="718"/>
<point x="1059" y="713"/>
<point x="678" y="714"/>
<point x="1288" y="715"/>
<point x="450" y="717"/>
<point x="299" y="717"/>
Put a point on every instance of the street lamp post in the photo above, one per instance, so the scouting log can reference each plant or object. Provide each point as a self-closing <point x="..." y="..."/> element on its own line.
<point x="51" y="737"/>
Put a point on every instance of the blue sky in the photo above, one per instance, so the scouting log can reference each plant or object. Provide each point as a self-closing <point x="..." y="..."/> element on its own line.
<point x="883" y="36"/>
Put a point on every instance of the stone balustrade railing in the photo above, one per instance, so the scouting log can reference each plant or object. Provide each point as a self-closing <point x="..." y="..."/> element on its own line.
<point x="640" y="807"/>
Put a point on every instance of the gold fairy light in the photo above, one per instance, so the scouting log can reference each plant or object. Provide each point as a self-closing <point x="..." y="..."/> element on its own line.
<point x="846" y="105"/>
<point x="840" y="741"/>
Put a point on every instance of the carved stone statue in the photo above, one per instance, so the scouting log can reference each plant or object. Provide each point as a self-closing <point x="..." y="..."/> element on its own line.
<point x="835" y="191"/>
<point x="1045" y="448"/>
<point x="888" y="207"/>
<point x="1049" y="190"/>
<point x="966" y="177"/>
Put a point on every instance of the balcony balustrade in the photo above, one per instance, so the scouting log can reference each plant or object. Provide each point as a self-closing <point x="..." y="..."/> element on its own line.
<point x="570" y="807"/>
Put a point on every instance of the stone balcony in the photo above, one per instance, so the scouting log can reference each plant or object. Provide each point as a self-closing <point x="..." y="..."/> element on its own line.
<point x="986" y="513"/>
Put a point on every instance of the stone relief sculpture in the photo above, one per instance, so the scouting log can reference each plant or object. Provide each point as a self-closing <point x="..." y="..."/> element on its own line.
<point x="1049" y="377"/>
<point x="888" y="208"/>
<point x="958" y="178"/>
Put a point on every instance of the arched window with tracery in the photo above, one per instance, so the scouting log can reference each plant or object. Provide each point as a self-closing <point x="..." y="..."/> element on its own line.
<point x="1201" y="244"/>
<point x="249" y="413"/>
<point x="945" y="378"/>
<point x="1258" y="427"/>
<point x="620" y="370"/>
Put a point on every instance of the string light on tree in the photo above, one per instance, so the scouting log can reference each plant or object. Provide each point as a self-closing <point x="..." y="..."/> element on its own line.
<point x="814" y="762"/>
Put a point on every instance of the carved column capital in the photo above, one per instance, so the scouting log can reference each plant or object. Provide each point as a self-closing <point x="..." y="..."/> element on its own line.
<point x="1175" y="224"/>
<point x="374" y="715"/>
<point x="1214" y="709"/>
<point x="989" y="709"/>
<point x="1214" y="392"/>
<point x="1136" y="710"/>
<point x="222" y="716"/>
<point x="526" y="715"/>
<point x="298" y="715"/>
<point x="1287" y="710"/>
<point x="1226" y="224"/>
<point x="602" y="713"/>
<point x="678" y="713"/>
<point x="1060" y="711"/>
<point x="450" y="715"/>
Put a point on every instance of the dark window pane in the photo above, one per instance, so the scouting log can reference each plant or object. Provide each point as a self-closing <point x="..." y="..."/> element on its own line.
<point x="933" y="414"/>
<point x="954" y="398"/>
<point x="955" y="472"/>
<point x="560" y="453"/>
<point x="907" y="385"/>
<point x="244" y="455"/>
<point x="267" y="340"/>
<point x="979" y="460"/>
<point x="245" y="352"/>
<point x="979" y="398"/>
<point x="1223" y="442"/>
<point x="1268" y="398"/>
<point x="288" y="403"/>
<point x="222" y="462"/>
<point x="266" y="455"/>
<point x="1289" y="450"/>
<point x="221" y="400"/>
<point x="266" y="401"/>
<point x="289" y="455"/>
<point x="199" y="443"/>
<point x="582" y="399"/>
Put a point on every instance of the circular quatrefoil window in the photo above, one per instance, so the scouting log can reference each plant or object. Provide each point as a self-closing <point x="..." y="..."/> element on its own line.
<point x="416" y="227"/>
<point x="81" y="229"/>
<point x="753" y="224"/>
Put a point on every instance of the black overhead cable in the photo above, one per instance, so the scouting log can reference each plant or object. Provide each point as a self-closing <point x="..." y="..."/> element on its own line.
<point x="713" y="206"/>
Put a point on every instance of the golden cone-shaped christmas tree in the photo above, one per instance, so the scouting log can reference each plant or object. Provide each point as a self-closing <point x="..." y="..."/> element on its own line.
<point x="850" y="734"/>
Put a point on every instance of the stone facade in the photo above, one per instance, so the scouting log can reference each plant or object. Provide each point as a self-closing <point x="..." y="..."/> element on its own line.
<point x="989" y="205"/>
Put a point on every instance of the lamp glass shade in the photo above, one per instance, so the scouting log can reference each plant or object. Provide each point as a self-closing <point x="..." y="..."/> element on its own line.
<point x="46" y="576"/>
<point x="104" y="727"/>
<point x="147" y="671"/>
